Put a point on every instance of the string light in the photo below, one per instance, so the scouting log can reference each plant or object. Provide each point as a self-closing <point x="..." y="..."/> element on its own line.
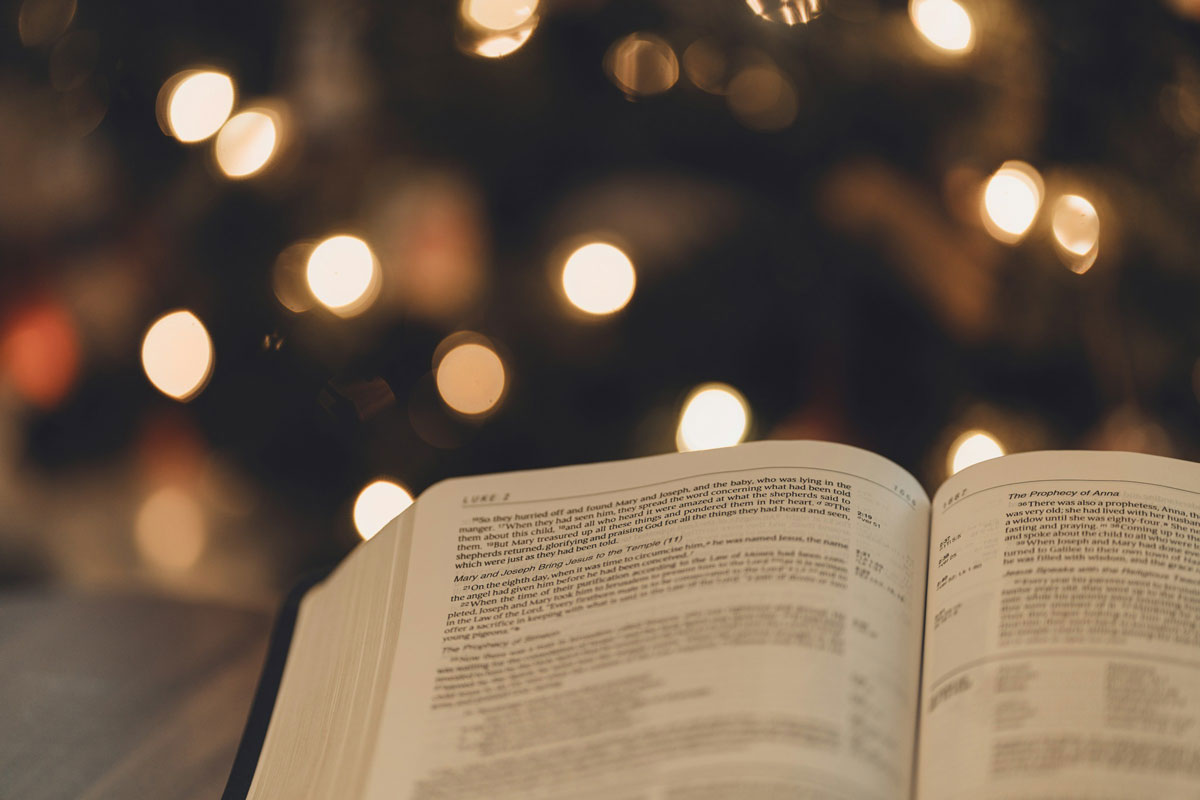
<point x="377" y="504"/>
<point x="599" y="278"/>
<point x="1012" y="198"/>
<point x="247" y="142"/>
<point x="642" y="64"/>
<point x="1076" y="227"/>
<point x="714" y="415"/>
<point x="944" y="24"/>
<point x="972" y="447"/>
<point x="470" y="375"/>
<point x="194" y="104"/>
<point x="343" y="275"/>
<point x="169" y="530"/>
<point x="177" y="355"/>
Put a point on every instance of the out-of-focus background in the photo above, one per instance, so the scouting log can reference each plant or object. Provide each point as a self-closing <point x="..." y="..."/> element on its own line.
<point x="257" y="257"/>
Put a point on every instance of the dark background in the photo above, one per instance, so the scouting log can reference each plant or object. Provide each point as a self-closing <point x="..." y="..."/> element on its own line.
<point x="833" y="268"/>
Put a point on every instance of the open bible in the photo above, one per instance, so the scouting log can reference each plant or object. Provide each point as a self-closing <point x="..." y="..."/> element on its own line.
<point x="774" y="620"/>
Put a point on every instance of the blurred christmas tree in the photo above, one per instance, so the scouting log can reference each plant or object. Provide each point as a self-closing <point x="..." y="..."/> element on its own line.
<point x="257" y="256"/>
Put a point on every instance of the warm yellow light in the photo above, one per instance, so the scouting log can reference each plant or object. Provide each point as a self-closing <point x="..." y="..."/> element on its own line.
<point x="198" y="103"/>
<point x="470" y="378"/>
<point x="944" y="23"/>
<point x="169" y="530"/>
<point x="789" y="12"/>
<point x="714" y="415"/>
<point x="706" y="65"/>
<point x="762" y="98"/>
<point x="1011" y="201"/>
<point x="598" y="278"/>
<point x="246" y="142"/>
<point x="1076" y="224"/>
<point x="503" y="44"/>
<point x="378" y="504"/>
<point x="642" y="64"/>
<point x="1076" y="227"/>
<point x="343" y="275"/>
<point x="971" y="448"/>
<point x="177" y="355"/>
<point x="498" y="15"/>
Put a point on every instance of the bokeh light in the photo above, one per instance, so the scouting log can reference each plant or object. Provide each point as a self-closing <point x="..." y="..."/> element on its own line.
<point x="378" y="504"/>
<point x="495" y="28"/>
<point x="498" y="15"/>
<point x="194" y="104"/>
<point x="169" y="530"/>
<point x="642" y="64"/>
<point x="1076" y="227"/>
<point x="289" y="279"/>
<point x="343" y="275"/>
<point x="788" y="12"/>
<point x="177" y="355"/>
<point x="247" y="142"/>
<point x="972" y="447"/>
<point x="944" y="24"/>
<point x="706" y="65"/>
<point x="1012" y="198"/>
<point x="762" y="97"/>
<point x="469" y="373"/>
<point x="714" y="415"/>
<point x="39" y="352"/>
<point x="502" y="44"/>
<point x="42" y="21"/>
<point x="598" y="278"/>
<point x="73" y="60"/>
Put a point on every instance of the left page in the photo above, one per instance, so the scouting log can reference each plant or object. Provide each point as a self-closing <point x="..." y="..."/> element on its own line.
<point x="743" y="622"/>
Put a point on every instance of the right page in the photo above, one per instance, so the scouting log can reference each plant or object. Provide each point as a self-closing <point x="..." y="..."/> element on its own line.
<point x="1062" y="640"/>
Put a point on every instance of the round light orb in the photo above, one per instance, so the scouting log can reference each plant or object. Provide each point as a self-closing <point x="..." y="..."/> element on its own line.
<point x="343" y="275"/>
<point x="247" y="142"/>
<point x="944" y="24"/>
<point x="714" y="415"/>
<point x="706" y="65"/>
<point x="177" y="355"/>
<point x="762" y="98"/>
<point x="470" y="378"/>
<point x="598" y="278"/>
<point x="1012" y="199"/>
<point x="1076" y="224"/>
<point x="498" y="15"/>
<point x="642" y="64"/>
<point x="500" y="45"/>
<point x="378" y="504"/>
<point x="198" y="103"/>
<point x="972" y="447"/>
<point x="1076" y="227"/>
<point x="169" y="530"/>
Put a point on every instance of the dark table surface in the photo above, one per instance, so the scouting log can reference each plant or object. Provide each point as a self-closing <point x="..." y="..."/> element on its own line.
<point x="122" y="696"/>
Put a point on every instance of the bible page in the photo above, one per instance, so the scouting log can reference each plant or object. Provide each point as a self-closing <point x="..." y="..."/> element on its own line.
<point x="735" y="623"/>
<point x="1062" y="645"/>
